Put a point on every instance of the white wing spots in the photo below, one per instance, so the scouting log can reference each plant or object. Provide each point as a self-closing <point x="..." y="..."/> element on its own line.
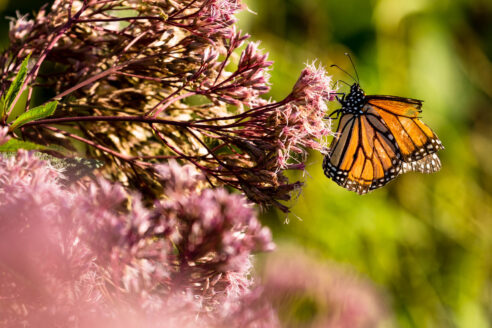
<point x="429" y="164"/>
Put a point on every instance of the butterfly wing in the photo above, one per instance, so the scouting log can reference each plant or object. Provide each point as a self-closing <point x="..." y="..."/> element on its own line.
<point x="415" y="140"/>
<point x="364" y="156"/>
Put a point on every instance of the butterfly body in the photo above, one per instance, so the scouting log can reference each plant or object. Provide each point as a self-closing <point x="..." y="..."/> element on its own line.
<point x="378" y="138"/>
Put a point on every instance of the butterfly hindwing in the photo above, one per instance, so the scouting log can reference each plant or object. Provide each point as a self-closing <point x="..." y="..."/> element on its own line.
<point x="429" y="164"/>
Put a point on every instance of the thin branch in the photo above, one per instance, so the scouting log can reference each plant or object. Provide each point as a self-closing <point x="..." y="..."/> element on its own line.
<point x="166" y="102"/>
<point x="248" y="113"/>
<point x="95" y="145"/>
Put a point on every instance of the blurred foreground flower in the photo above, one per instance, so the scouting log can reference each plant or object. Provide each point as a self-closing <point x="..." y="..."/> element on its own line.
<point x="307" y="293"/>
<point x="4" y="135"/>
<point x="93" y="255"/>
<point x="162" y="80"/>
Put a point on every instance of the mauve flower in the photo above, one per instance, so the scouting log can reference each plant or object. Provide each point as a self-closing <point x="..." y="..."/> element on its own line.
<point x="312" y="90"/>
<point x="46" y="275"/>
<point x="314" y="84"/>
<point x="179" y="179"/>
<point x="222" y="10"/>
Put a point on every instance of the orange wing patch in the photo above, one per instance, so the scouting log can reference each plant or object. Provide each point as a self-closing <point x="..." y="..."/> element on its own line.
<point x="351" y="148"/>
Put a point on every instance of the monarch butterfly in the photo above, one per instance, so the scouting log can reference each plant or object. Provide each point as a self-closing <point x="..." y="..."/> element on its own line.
<point x="378" y="138"/>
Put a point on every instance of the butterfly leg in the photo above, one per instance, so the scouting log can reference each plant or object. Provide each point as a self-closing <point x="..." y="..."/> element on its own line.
<point x="337" y="113"/>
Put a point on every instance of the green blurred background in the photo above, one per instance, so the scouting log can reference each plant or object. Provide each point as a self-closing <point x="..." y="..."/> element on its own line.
<point x="425" y="240"/>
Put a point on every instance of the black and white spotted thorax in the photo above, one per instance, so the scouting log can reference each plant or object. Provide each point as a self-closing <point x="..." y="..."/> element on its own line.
<point x="354" y="101"/>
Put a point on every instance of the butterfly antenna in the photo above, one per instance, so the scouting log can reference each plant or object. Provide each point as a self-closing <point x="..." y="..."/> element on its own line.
<point x="335" y="65"/>
<point x="353" y="65"/>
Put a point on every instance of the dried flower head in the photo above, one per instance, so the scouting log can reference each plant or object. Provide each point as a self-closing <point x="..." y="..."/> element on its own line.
<point x="166" y="80"/>
<point x="20" y="27"/>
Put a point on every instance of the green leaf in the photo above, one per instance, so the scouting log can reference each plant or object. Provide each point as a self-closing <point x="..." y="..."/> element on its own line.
<point x="34" y="114"/>
<point x="15" y="86"/>
<point x="13" y="145"/>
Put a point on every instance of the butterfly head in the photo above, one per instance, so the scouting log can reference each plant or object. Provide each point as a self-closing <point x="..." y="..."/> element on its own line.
<point x="355" y="100"/>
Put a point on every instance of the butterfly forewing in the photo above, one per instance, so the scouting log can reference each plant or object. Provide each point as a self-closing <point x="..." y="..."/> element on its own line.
<point x="415" y="139"/>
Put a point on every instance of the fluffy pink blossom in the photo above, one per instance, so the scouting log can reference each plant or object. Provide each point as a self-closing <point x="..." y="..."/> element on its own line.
<point x="314" y="84"/>
<point x="302" y="123"/>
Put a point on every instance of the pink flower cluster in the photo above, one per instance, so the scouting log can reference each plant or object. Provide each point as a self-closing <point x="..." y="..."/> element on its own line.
<point x="208" y="18"/>
<point x="244" y="85"/>
<point x="305" y="126"/>
<point x="93" y="255"/>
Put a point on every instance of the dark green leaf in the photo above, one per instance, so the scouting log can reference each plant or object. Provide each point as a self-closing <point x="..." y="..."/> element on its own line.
<point x="15" y="86"/>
